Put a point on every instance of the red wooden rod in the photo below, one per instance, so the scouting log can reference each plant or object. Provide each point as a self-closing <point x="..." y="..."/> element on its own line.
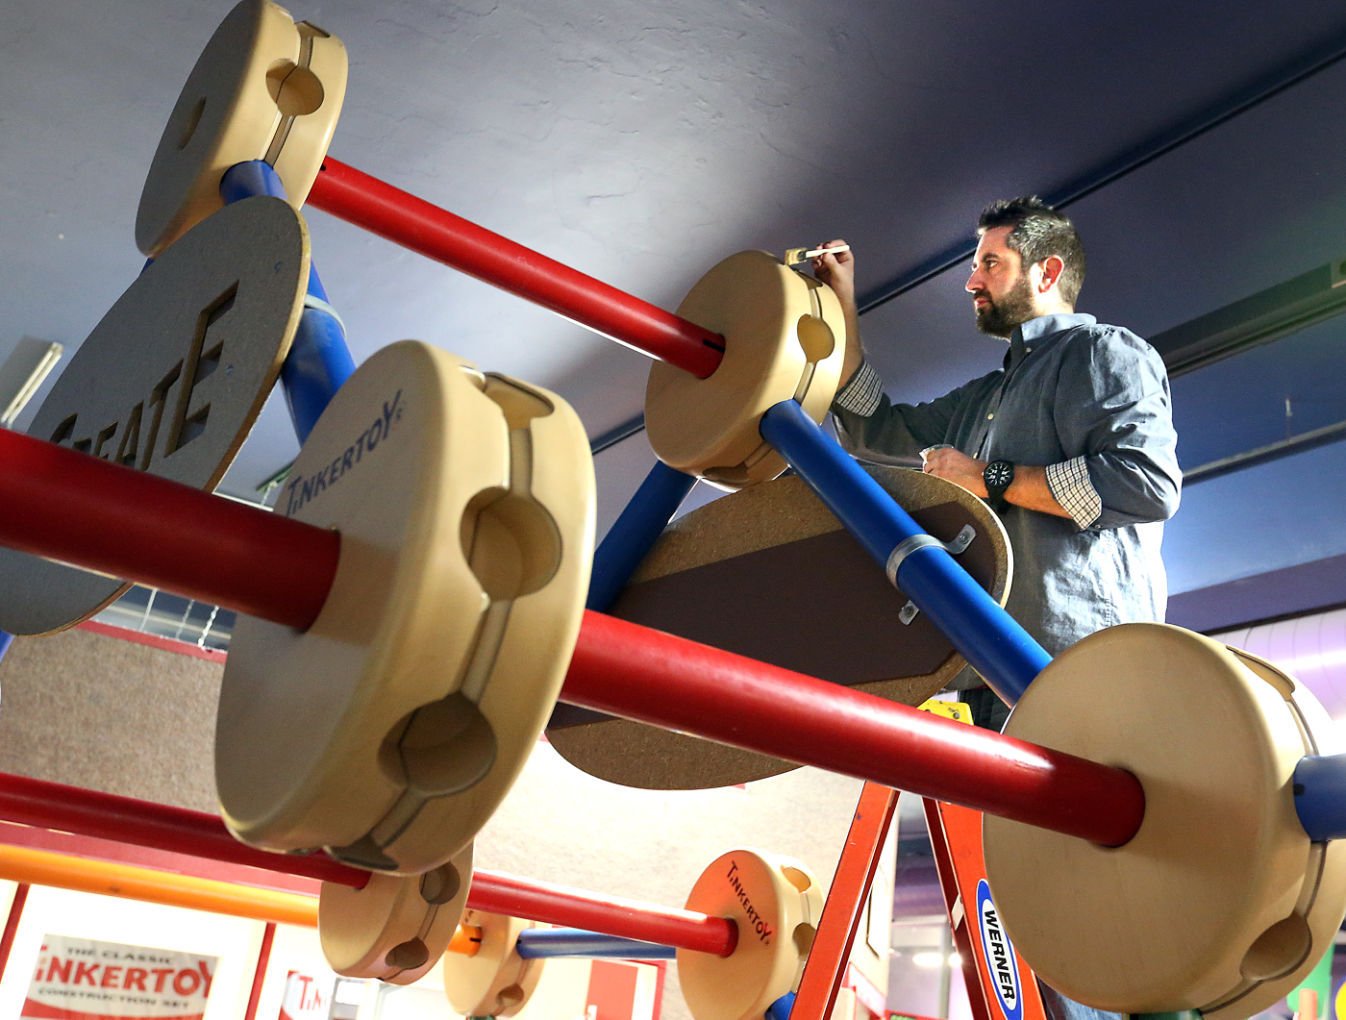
<point x="78" y="509"/>
<point x="643" y="674"/>
<point x="47" y="805"/>
<point x="72" y="507"/>
<point x="134" y="822"/>
<point x="414" y="223"/>
<point x="573" y="908"/>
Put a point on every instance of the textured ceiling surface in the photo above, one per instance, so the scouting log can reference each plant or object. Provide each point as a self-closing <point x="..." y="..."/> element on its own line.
<point x="1194" y="143"/>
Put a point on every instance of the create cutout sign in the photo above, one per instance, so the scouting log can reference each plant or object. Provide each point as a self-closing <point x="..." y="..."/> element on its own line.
<point x="84" y="979"/>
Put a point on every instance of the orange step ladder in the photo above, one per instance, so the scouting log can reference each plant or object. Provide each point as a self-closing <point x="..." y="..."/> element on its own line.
<point x="1000" y="985"/>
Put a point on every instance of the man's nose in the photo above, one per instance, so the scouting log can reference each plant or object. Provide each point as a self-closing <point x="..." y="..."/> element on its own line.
<point x="973" y="282"/>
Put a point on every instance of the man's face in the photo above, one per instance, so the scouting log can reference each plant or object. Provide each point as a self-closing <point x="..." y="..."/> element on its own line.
<point x="1002" y="294"/>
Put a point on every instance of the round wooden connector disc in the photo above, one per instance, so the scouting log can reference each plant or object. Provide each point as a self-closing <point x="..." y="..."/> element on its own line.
<point x="389" y="730"/>
<point x="1220" y="902"/>
<point x="395" y="928"/>
<point x="776" y="903"/>
<point x="496" y="981"/>
<point x="784" y="336"/>
<point x="264" y="88"/>
<point x="768" y="572"/>
<point x="170" y="381"/>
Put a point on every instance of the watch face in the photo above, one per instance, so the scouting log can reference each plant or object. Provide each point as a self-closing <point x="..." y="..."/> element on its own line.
<point x="999" y="474"/>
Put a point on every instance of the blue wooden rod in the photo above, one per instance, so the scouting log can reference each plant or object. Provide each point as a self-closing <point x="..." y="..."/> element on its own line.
<point x="543" y="943"/>
<point x="634" y="532"/>
<point x="995" y="645"/>
<point x="1320" y="796"/>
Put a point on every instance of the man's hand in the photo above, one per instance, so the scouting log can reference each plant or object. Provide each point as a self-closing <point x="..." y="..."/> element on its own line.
<point x="837" y="270"/>
<point x="955" y="466"/>
<point x="1029" y="489"/>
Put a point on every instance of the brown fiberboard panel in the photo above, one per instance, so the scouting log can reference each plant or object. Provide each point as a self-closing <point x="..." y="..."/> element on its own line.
<point x="768" y="572"/>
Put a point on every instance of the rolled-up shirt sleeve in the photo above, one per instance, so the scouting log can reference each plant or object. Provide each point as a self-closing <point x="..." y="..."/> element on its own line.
<point x="862" y="394"/>
<point x="1114" y="419"/>
<point x="871" y="426"/>
<point x="1070" y="484"/>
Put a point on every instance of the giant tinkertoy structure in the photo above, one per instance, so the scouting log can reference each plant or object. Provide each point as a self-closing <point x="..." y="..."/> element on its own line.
<point x="435" y="542"/>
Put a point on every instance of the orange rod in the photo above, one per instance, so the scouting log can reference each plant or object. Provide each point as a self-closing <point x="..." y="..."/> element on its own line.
<point x="41" y="867"/>
<point x="466" y="940"/>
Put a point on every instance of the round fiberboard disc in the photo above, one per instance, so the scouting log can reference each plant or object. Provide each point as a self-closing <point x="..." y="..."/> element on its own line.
<point x="781" y="333"/>
<point x="170" y="381"/>
<point x="264" y="88"/>
<point x="390" y="729"/>
<point x="1219" y="902"/>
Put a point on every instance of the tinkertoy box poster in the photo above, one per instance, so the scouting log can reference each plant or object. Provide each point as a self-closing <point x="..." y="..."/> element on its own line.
<point x="84" y="979"/>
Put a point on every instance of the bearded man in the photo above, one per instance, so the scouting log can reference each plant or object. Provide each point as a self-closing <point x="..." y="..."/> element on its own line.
<point x="1071" y="441"/>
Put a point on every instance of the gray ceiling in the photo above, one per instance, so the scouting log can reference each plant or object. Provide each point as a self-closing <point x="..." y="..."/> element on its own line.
<point x="1197" y="145"/>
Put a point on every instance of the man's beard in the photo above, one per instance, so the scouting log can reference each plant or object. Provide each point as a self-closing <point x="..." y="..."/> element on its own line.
<point x="1014" y="309"/>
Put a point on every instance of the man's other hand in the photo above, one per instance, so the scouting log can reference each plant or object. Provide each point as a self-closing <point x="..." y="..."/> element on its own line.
<point x="955" y="466"/>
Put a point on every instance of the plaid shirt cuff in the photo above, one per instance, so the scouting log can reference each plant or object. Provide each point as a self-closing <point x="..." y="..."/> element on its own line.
<point x="1069" y="483"/>
<point x="861" y="395"/>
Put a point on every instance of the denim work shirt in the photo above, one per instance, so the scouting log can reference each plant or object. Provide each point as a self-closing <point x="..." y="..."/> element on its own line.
<point x="1089" y="402"/>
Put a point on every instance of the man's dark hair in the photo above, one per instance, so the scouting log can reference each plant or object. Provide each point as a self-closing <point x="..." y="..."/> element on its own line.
<point x="1038" y="232"/>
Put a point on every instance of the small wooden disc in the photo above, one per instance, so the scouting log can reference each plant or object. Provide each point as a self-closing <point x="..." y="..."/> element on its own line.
<point x="497" y="981"/>
<point x="170" y="381"/>
<point x="264" y="88"/>
<point x="1220" y="902"/>
<point x="784" y="340"/>
<point x="397" y="927"/>
<point x="768" y="572"/>
<point x="776" y="904"/>
<point x="389" y="731"/>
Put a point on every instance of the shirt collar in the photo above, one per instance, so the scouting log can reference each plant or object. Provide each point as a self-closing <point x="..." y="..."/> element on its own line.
<point x="1027" y="335"/>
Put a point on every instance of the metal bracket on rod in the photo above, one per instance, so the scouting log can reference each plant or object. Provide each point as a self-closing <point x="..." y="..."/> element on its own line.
<point x="958" y="544"/>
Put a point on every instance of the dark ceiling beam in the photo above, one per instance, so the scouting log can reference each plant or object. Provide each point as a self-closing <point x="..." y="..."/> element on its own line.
<point x="1311" y="587"/>
<point x="1285" y="77"/>
<point x="1260" y="318"/>
<point x="1263" y="454"/>
<point x="615" y="435"/>
<point x="1257" y="319"/>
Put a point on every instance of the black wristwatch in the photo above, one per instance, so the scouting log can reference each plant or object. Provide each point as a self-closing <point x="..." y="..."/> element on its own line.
<point x="998" y="476"/>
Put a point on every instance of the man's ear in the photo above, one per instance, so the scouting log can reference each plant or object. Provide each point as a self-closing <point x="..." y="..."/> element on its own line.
<point x="1052" y="268"/>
